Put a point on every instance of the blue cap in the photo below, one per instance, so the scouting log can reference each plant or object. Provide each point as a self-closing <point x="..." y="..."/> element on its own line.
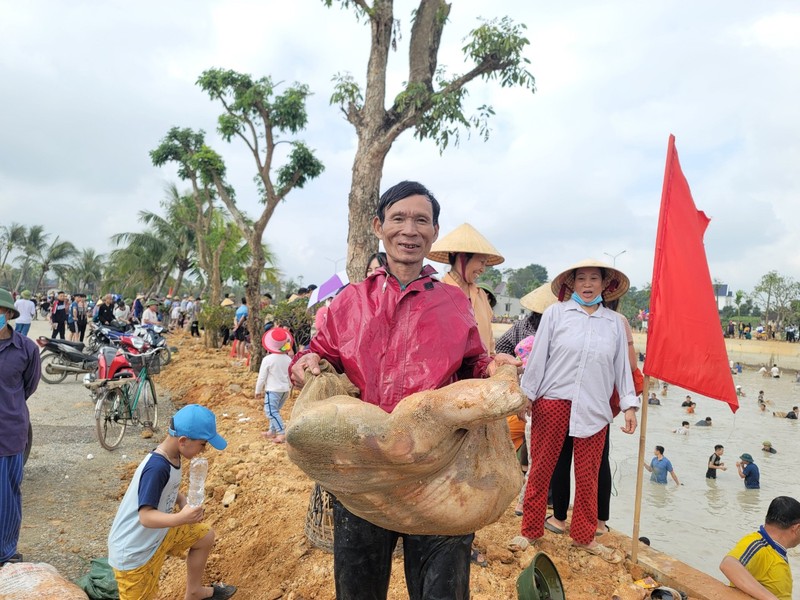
<point x="197" y="423"/>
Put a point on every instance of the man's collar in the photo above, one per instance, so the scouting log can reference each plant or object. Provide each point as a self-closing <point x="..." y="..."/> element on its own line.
<point x="776" y="546"/>
<point x="602" y="311"/>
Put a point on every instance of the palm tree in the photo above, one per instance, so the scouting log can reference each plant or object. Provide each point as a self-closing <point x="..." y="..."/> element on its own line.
<point x="34" y="244"/>
<point x="86" y="271"/>
<point x="11" y="236"/>
<point x="54" y="257"/>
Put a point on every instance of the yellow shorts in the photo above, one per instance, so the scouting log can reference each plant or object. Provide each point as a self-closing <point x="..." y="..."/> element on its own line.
<point x="141" y="583"/>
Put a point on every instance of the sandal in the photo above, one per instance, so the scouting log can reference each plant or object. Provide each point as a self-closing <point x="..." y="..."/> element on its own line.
<point x="599" y="533"/>
<point x="550" y="527"/>
<point x="477" y="558"/>
<point x="607" y="554"/>
<point x="222" y="591"/>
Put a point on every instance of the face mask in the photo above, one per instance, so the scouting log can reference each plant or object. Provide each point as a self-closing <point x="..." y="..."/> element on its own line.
<point x="3" y="321"/>
<point x="583" y="302"/>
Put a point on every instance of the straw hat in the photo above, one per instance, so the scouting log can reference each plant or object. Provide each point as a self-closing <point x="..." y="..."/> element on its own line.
<point x="227" y="302"/>
<point x="539" y="299"/>
<point x="464" y="238"/>
<point x="615" y="284"/>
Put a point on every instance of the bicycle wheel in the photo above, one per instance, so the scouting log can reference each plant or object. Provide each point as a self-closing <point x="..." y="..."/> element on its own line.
<point x="49" y="360"/>
<point x="148" y="405"/>
<point x="110" y="416"/>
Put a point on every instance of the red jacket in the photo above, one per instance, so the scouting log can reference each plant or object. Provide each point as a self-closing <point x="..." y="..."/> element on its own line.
<point x="392" y="343"/>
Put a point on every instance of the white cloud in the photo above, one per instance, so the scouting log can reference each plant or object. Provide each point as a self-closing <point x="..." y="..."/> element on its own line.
<point x="574" y="170"/>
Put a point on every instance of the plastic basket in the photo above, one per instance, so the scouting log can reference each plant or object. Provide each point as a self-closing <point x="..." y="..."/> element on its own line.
<point x="152" y="361"/>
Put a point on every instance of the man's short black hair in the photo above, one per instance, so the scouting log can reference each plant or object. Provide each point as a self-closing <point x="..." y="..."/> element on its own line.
<point x="267" y="295"/>
<point x="311" y="287"/>
<point x="660" y="449"/>
<point x="783" y="512"/>
<point x="403" y="190"/>
<point x="302" y="291"/>
<point x="685" y="423"/>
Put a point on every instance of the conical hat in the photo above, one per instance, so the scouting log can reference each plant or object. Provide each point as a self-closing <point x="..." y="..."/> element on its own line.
<point x="539" y="299"/>
<point x="615" y="284"/>
<point x="464" y="238"/>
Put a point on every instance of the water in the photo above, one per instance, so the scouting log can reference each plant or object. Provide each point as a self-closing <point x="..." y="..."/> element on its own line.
<point x="700" y="521"/>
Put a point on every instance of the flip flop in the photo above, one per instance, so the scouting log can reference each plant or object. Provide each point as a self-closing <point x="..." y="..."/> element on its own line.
<point x="475" y="558"/>
<point x="599" y="533"/>
<point x="222" y="591"/>
<point x="607" y="554"/>
<point x="550" y="527"/>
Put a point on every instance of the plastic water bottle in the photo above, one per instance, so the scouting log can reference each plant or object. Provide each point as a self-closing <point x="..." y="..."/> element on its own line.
<point x="198" y="469"/>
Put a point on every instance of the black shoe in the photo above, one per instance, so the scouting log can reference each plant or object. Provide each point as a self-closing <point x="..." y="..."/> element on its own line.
<point x="222" y="591"/>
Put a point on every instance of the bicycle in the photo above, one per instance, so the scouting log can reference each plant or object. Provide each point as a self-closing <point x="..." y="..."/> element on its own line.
<point x="128" y="400"/>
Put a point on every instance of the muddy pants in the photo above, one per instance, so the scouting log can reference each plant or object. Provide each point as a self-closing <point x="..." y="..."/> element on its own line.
<point x="436" y="566"/>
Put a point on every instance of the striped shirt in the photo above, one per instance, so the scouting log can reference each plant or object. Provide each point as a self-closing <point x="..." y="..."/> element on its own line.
<point x="766" y="561"/>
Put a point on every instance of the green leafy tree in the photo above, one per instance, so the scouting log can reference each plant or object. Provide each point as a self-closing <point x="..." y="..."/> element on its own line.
<point x="492" y="276"/>
<point x="35" y="241"/>
<point x="53" y="257"/>
<point x="524" y="280"/>
<point x="261" y="117"/>
<point x="12" y="237"/>
<point x="775" y="293"/>
<point x="634" y="301"/>
<point x="431" y="101"/>
<point x="85" y="272"/>
<point x="186" y="148"/>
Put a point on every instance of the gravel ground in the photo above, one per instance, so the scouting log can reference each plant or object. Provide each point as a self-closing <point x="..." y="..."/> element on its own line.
<point x="70" y="500"/>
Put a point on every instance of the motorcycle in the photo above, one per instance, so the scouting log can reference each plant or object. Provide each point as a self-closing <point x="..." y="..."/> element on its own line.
<point x="152" y="334"/>
<point x="106" y="335"/>
<point x="60" y="358"/>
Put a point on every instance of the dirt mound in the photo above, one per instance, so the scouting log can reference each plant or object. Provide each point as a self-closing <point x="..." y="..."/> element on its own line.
<point x="261" y="546"/>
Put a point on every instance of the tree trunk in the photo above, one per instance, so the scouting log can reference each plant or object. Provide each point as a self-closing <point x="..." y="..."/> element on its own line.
<point x="253" y="293"/>
<point x="178" y="282"/>
<point x="362" y="204"/>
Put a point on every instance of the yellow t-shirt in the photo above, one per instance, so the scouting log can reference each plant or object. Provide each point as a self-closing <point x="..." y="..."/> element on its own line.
<point x="765" y="564"/>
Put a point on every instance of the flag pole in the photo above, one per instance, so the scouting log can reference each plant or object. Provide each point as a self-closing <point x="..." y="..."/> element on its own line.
<point x="637" y="506"/>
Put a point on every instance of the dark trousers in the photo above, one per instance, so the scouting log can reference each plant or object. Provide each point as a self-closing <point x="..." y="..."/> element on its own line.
<point x="436" y="566"/>
<point x="59" y="329"/>
<point x="195" y="329"/>
<point x="560" y="483"/>
<point x="81" y="323"/>
<point x="10" y="504"/>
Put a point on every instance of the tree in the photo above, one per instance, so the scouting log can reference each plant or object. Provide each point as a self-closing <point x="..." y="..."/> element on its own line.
<point x="765" y="291"/>
<point x="35" y="241"/>
<point x="86" y="271"/>
<point x="524" y="280"/>
<point x="738" y="300"/>
<point x="634" y="301"/>
<point x="259" y="116"/>
<point x="492" y="276"/>
<point x="187" y="149"/>
<point x="54" y="257"/>
<point x="11" y="237"/>
<point x="431" y="102"/>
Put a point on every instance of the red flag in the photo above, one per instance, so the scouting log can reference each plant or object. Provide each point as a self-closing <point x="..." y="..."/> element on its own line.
<point x="685" y="345"/>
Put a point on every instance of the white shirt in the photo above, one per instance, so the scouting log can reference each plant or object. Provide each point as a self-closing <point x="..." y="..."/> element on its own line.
<point x="149" y="317"/>
<point x="682" y="430"/>
<point x="122" y="314"/>
<point x="581" y="357"/>
<point x="273" y="376"/>
<point x="26" y="310"/>
<point x="775" y="372"/>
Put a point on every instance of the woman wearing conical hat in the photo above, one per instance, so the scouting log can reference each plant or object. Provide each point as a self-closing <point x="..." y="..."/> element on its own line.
<point x="579" y="357"/>
<point x="469" y="253"/>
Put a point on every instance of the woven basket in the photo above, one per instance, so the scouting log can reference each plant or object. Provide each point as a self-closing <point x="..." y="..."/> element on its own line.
<point x="319" y="519"/>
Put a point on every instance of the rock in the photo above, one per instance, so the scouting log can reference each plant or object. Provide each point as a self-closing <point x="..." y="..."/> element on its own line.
<point x="629" y="591"/>
<point x="235" y="388"/>
<point x="229" y="497"/>
<point x="274" y="594"/>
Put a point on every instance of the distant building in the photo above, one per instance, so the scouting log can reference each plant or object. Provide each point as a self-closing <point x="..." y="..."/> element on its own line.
<point x="507" y="306"/>
<point x="724" y="295"/>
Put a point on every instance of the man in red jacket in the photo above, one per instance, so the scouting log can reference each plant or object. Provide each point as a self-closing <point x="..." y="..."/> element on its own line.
<point x="397" y="333"/>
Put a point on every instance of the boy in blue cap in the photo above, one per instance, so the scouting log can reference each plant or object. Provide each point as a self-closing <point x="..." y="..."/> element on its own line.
<point x="146" y="527"/>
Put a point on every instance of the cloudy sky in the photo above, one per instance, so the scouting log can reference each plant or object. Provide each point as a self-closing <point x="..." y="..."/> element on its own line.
<point x="572" y="171"/>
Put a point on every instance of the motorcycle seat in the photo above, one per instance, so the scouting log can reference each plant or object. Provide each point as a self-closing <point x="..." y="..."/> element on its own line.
<point x="77" y="345"/>
<point x="79" y="357"/>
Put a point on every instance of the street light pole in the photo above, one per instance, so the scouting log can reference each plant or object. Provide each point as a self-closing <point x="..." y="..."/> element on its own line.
<point x="336" y="263"/>
<point x="614" y="257"/>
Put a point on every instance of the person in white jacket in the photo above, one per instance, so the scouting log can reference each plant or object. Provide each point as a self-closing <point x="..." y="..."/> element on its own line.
<point x="273" y="379"/>
<point x="27" y="312"/>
